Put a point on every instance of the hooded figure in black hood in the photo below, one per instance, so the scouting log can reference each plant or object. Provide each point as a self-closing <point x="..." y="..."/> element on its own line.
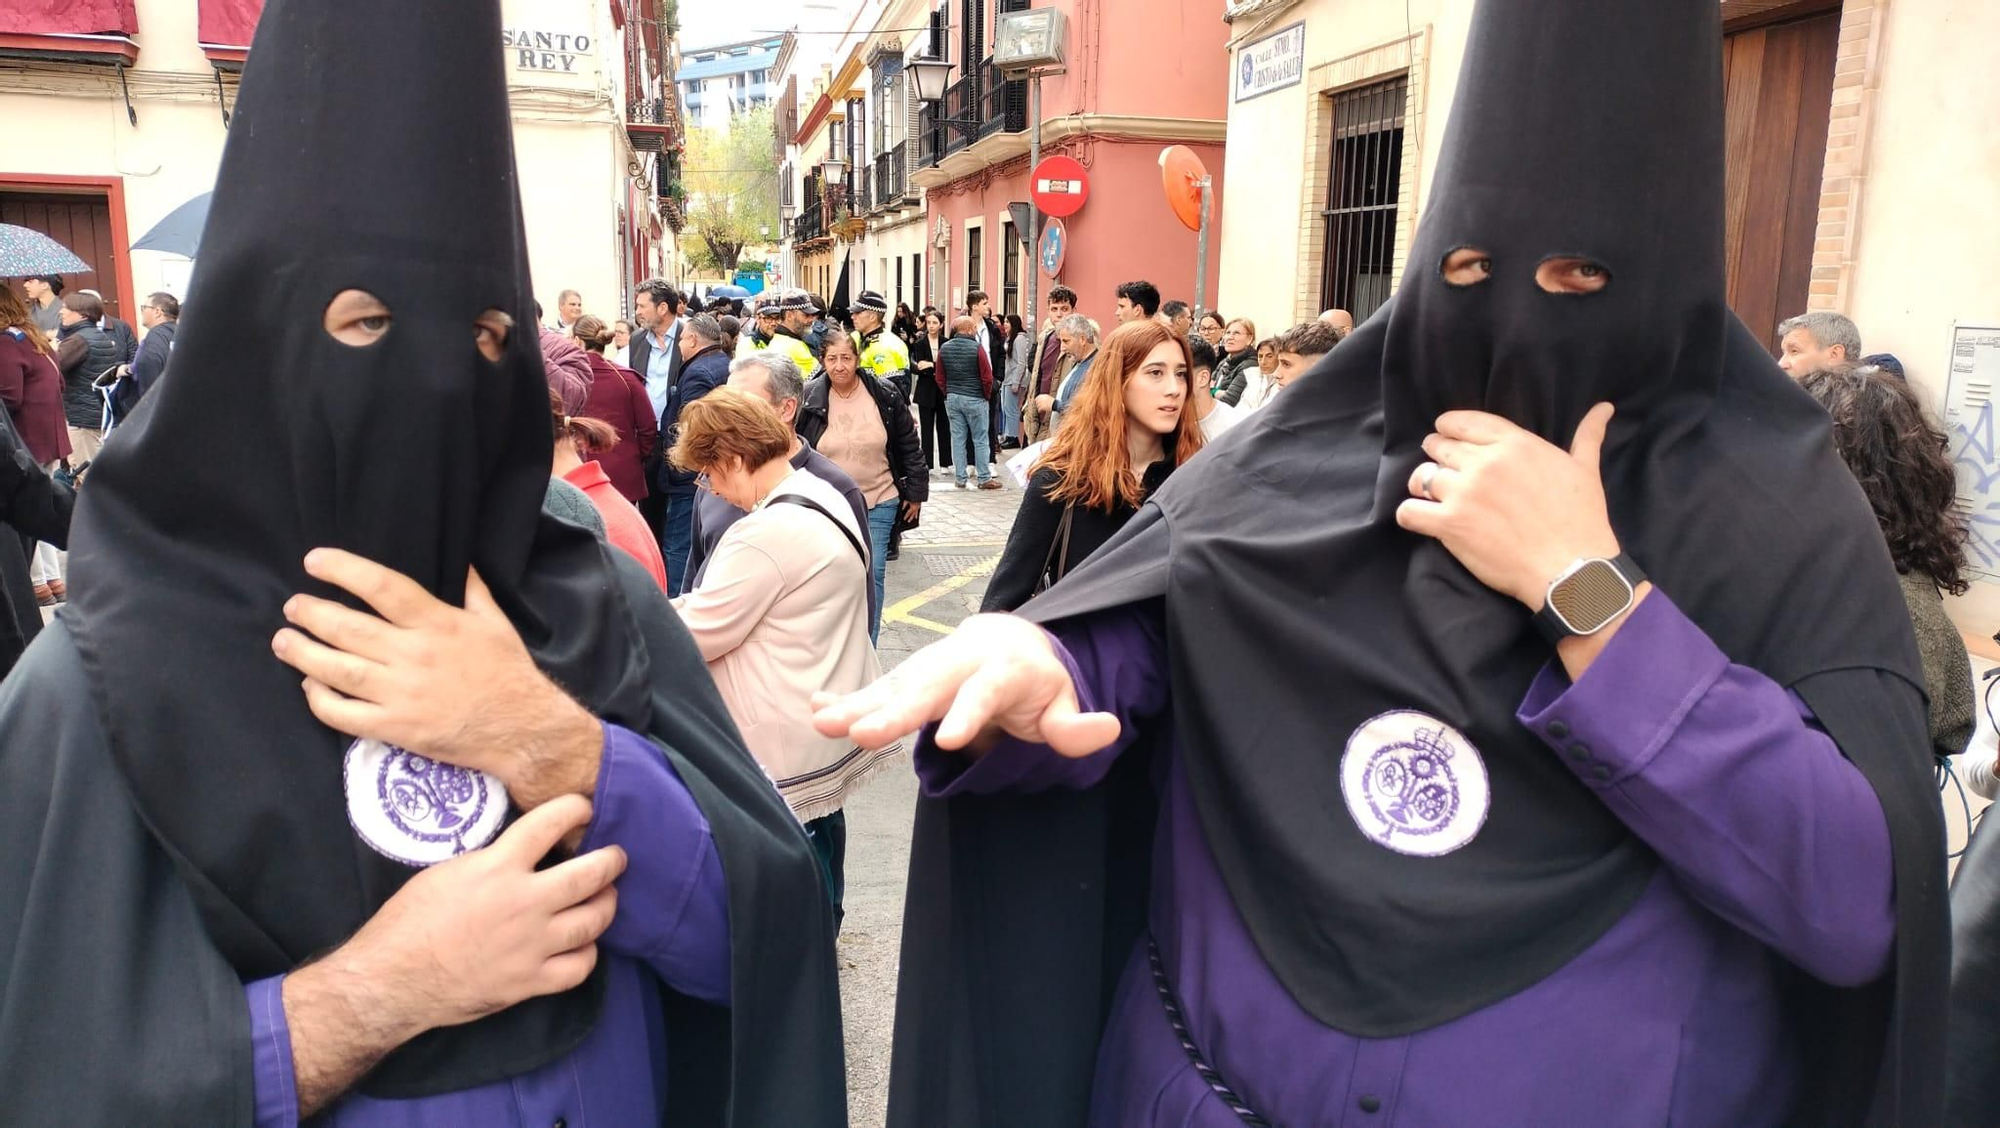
<point x="1675" y="859"/>
<point x="185" y="834"/>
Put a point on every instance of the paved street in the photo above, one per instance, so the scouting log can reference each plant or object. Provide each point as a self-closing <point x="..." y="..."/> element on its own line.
<point x="938" y="581"/>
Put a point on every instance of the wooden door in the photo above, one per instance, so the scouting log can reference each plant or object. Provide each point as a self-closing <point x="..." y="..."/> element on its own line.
<point x="81" y="222"/>
<point x="1778" y="83"/>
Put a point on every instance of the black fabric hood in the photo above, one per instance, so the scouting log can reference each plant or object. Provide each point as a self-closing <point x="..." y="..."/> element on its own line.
<point x="371" y="149"/>
<point x="1299" y="614"/>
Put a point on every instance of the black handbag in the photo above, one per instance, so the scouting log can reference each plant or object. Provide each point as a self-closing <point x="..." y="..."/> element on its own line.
<point x="1056" y="565"/>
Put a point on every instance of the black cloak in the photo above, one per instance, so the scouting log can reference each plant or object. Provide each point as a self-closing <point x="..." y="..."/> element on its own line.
<point x="1297" y="609"/>
<point x="171" y="814"/>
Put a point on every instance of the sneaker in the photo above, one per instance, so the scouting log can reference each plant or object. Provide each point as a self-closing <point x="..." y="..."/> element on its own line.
<point x="991" y="484"/>
<point x="958" y="485"/>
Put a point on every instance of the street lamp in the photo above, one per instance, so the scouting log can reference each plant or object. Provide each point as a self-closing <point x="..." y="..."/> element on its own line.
<point x="929" y="76"/>
<point x="832" y="168"/>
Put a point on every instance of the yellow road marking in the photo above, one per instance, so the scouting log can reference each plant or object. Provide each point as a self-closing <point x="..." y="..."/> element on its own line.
<point x="903" y="610"/>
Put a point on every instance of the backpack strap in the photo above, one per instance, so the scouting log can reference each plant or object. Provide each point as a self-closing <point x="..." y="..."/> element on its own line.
<point x="816" y="507"/>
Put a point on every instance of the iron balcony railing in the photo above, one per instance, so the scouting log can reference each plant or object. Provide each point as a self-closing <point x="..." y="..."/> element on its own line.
<point x="892" y="176"/>
<point x="984" y="101"/>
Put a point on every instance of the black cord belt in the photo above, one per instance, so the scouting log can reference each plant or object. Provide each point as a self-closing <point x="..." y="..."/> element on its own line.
<point x="1179" y="1022"/>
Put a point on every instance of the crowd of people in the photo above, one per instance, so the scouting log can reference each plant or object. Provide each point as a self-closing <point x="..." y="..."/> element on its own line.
<point x="1362" y="721"/>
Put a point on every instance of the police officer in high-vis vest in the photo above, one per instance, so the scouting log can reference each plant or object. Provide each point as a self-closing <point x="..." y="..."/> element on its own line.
<point x="883" y="354"/>
<point x="794" y="309"/>
<point x="757" y="337"/>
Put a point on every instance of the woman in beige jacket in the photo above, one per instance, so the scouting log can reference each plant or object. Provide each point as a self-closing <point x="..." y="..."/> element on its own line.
<point x="782" y="610"/>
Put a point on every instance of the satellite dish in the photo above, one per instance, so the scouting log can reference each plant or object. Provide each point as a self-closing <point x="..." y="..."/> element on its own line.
<point x="1182" y="174"/>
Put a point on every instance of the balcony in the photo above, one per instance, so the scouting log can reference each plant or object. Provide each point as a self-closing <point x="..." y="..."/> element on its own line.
<point x="891" y="175"/>
<point x="987" y="101"/>
<point x="654" y="124"/>
<point x="809" y="224"/>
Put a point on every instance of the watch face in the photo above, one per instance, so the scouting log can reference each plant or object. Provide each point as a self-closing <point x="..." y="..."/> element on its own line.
<point x="1590" y="597"/>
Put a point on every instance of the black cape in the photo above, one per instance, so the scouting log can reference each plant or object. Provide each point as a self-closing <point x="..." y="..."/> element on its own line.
<point x="1288" y="586"/>
<point x="382" y="164"/>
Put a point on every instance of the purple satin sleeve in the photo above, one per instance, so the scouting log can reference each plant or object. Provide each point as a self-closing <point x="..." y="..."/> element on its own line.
<point x="1728" y="778"/>
<point x="277" y="1103"/>
<point x="673" y="904"/>
<point x="1117" y="662"/>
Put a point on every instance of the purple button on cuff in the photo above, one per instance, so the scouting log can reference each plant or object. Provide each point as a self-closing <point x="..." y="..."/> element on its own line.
<point x="1628" y="704"/>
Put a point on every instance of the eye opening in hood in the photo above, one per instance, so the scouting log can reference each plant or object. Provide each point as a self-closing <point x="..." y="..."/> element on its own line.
<point x="1572" y="275"/>
<point x="1465" y="265"/>
<point x="357" y="318"/>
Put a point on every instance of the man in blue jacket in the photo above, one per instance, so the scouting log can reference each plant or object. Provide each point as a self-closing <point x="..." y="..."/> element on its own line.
<point x="704" y="367"/>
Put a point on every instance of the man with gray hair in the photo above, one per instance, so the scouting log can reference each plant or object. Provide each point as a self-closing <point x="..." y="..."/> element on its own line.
<point x="778" y="382"/>
<point x="1078" y="335"/>
<point x="1815" y="340"/>
<point x="704" y="368"/>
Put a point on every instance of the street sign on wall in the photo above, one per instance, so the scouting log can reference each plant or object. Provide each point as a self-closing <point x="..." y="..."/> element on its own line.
<point x="1059" y="186"/>
<point x="1055" y="245"/>
<point x="1272" y="63"/>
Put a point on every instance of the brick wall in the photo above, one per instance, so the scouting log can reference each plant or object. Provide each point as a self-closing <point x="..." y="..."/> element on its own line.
<point x="1856" y="72"/>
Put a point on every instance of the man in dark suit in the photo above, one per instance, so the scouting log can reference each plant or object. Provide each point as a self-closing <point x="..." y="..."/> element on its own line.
<point x="656" y="357"/>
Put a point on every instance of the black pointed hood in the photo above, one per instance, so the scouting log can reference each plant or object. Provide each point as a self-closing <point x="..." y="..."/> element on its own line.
<point x="1585" y="129"/>
<point x="371" y="149"/>
<point x="1301" y="616"/>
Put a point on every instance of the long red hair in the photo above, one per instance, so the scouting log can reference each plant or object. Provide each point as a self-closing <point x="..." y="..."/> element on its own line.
<point x="14" y="315"/>
<point x="1088" y="454"/>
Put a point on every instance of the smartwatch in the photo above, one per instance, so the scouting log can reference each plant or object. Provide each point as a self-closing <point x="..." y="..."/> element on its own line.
<point x="1588" y="596"/>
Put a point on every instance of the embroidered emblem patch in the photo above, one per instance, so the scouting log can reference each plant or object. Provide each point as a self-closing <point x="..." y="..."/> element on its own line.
<point x="416" y="810"/>
<point x="1414" y="784"/>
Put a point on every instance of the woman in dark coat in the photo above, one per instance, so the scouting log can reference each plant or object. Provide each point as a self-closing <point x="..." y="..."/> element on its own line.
<point x="1128" y="433"/>
<point x="32" y="507"/>
<point x="878" y="449"/>
<point x="618" y="397"/>
<point x="932" y="424"/>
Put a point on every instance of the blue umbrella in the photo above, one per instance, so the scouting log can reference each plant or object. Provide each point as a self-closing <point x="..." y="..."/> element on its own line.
<point x="25" y="251"/>
<point x="735" y="293"/>
<point x="180" y="232"/>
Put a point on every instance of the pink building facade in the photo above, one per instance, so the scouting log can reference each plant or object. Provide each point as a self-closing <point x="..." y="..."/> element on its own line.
<point x="1140" y="75"/>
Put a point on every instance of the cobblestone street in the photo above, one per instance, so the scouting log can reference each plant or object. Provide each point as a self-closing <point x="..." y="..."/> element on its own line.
<point x="938" y="581"/>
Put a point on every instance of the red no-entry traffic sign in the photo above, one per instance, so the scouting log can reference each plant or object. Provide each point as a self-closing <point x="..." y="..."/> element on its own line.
<point x="1059" y="186"/>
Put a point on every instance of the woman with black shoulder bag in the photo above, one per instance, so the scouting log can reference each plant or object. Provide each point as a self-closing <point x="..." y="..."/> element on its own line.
<point x="1126" y="430"/>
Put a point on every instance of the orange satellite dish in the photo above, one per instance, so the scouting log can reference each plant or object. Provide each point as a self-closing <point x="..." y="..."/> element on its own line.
<point x="1181" y="174"/>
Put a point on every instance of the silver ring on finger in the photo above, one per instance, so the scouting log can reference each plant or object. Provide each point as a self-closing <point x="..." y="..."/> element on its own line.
<point x="1425" y="474"/>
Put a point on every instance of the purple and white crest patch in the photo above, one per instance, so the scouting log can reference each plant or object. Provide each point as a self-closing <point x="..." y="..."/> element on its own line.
<point x="1414" y="784"/>
<point x="417" y="810"/>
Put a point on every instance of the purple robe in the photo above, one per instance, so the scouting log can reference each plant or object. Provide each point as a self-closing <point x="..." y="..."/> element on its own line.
<point x="1772" y="846"/>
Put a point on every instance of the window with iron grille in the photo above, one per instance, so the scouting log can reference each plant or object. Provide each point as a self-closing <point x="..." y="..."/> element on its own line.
<point x="1364" y="177"/>
<point x="975" y="259"/>
<point x="1010" y="268"/>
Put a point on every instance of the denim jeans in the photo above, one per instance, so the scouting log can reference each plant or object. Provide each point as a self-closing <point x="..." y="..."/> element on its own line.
<point x="881" y="520"/>
<point x="677" y="540"/>
<point x="970" y="421"/>
<point x="1010" y="414"/>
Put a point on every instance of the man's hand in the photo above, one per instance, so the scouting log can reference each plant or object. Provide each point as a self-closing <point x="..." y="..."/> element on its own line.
<point x="1515" y="509"/>
<point x="452" y="684"/>
<point x="996" y="673"/>
<point x="461" y="940"/>
<point x="911" y="511"/>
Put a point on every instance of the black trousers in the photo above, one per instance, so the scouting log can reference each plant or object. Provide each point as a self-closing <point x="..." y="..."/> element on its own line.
<point x="934" y="428"/>
<point x="829" y="842"/>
